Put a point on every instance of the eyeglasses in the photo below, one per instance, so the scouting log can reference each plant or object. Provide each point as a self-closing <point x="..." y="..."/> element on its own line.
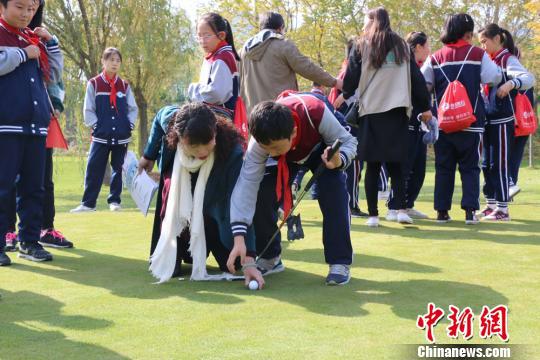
<point x="204" y="37"/>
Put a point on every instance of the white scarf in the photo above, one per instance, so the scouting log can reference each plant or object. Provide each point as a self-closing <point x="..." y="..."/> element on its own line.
<point x="183" y="210"/>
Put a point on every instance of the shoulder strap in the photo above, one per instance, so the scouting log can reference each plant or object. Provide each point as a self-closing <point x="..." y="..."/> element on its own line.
<point x="305" y="108"/>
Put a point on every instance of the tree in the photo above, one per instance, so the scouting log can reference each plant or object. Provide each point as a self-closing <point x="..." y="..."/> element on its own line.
<point x="154" y="39"/>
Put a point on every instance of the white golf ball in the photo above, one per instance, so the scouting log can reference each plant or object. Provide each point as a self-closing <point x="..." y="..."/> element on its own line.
<point x="253" y="285"/>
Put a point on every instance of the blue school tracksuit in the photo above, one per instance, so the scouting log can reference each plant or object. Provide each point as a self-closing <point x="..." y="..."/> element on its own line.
<point x="25" y="114"/>
<point x="112" y="126"/>
<point x="460" y="149"/>
<point x="499" y="134"/>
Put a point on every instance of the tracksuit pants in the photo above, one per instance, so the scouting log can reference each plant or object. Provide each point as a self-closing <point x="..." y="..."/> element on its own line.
<point x="333" y="202"/>
<point x="517" y="149"/>
<point x="22" y="160"/>
<point x="48" y="198"/>
<point x="497" y="141"/>
<point x="462" y="150"/>
<point x="95" y="171"/>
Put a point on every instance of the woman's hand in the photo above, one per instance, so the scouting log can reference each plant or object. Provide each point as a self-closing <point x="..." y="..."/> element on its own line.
<point x="339" y="101"/>
<point x="238" y="250"/>
<point x="334" y="162"/>
<point x="505" y="89"/>
<point x="145" y="164"/>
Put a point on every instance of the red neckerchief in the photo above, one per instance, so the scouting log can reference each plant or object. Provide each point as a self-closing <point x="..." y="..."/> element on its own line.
<point x="30" y="37"/>
<point x="458" y="44"/>
<point x="112" y="84"/>
<point x="419" y="63"/>
<point x="221" y="44"/>
<point x="283" y="190"/>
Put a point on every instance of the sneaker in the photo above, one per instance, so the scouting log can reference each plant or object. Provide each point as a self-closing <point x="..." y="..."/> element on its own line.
<point x="497" y="215"/>
<point x="115" y="207"/>
<point x="403" y="218"/>
<point x="4" y="259"/>
<point x="443" y="216"/>
<point x="487" y="211"/>
<point x="270" y="266"/>
<point x="392" y="215"/>
<point x="372" y="221"/>
<point x="356" y="213"/>
<point x="383" y="195"/>
<point x="34" y="252"/>
<point x="338" y="275"/>
<point x="470" y="217"/>
<point x="82" y="208"/>
<point x="513" y="191"/>
<point x="54" y="238"/>
<point x="416" y="214"/>
<point x="11" y="241"/>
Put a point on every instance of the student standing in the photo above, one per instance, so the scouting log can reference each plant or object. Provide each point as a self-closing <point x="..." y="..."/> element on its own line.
<point x="110" y="110"/>
<point x="459" y="59"/>
<point x="500" y="119"/>
<point x="25" y="112"/>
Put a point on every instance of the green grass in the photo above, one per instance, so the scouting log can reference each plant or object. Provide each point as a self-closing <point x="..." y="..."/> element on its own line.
<point x="98" y="301"/>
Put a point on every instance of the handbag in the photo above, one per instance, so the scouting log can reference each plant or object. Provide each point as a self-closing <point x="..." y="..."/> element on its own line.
<point x="353" y="113"/>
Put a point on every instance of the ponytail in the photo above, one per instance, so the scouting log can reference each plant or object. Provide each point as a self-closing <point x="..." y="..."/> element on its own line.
<point x="218" y="23"/>
<point x="507" y="41"/>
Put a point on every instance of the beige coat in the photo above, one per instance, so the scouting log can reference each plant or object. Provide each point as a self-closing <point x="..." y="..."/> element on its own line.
<point x="269" y="64"/>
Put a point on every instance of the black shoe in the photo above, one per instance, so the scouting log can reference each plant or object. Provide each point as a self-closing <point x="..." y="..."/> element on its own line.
<point x="443" y="216"/>
<point x="470" y="217"/>
<point x="4" y="259"/>
<point x="34" y="252"/>
<point x="55" y="239"/>
<point x="356" y="212"/>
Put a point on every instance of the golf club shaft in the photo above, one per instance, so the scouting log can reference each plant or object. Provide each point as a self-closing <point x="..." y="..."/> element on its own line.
<point x="335" y="148"/>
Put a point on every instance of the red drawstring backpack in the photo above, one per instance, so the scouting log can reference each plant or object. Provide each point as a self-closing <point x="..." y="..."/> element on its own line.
<point x="240" y="120"/>
<point x="526" y="122"/>
<point x="455" y="111"/>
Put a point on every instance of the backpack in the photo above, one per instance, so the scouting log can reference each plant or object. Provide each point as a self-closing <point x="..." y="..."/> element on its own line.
<point x="455" y="111"/>
<point x="526" y="122"/>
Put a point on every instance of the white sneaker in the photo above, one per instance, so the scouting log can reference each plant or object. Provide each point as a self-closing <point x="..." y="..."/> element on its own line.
<point x="415" y="214"/>
<point x="513" y="191"/>
<point x="81" y="208"/>
<point x="392" y="215"/>
<point x="115" y="207"/>
<point x="372" y="221"/>
<point x="383" y="195"/>
<point x="403" y="218"/>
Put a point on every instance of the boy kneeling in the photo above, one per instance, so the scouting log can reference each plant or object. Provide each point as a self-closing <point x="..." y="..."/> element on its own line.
<point x="295" y="130"/>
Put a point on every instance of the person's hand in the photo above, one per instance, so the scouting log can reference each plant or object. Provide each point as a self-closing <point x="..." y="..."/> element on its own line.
<point x="238" y="250"/>
<point x="335" y="161"/>
<point x="43" y="33"/>
<point x="32" y="51"/>
<point x="57" y="113"/>
<point x="252" y="273"/>
<point x="505" y="89"/>
<point x="339" y="84"/>
<point x="426" y="116"/>
<point x="145" y="164"/>
<point x="339" y="101"/>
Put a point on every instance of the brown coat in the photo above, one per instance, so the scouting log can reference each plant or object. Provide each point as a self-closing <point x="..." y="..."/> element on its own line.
<point x="269" y="64"/>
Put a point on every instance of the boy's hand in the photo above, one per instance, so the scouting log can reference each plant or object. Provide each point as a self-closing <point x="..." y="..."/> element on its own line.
<point x="252" y="273"/>
<point x="335" y="161"/>
<point x="43" y="33"/>
<point x="238" y="250"/>
<point x="32" y="51"/>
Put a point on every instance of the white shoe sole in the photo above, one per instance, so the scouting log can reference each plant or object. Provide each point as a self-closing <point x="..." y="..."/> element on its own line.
<point x="275" y="270"/>
<point x="338" y="284"/>
<point x="31" y="258"/>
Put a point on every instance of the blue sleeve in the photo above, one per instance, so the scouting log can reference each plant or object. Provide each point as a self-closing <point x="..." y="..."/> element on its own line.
<point x="159" y="129"/>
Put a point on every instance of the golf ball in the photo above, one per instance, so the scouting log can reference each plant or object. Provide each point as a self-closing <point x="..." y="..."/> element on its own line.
<point x="253" y="285"/>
